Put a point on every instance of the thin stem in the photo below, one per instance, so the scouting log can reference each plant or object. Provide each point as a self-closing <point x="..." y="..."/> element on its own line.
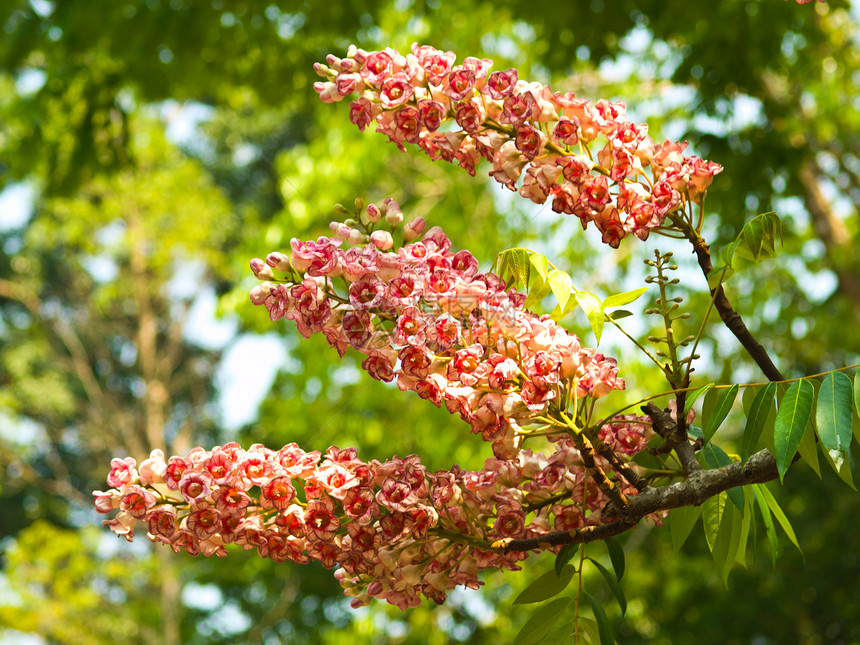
<point x="634" y="341"/>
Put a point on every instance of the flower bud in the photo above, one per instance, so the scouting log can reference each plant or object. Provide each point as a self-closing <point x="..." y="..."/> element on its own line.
<point x="393" y="214"/>
<point x="382" y="240"/>
<point x="414" y="229"/>
<point x="278" y="261"/>
<point x="262" y="271"/>
<point x="373" y="213"/>
<point x="260" y="292"/>
<point x="356" y="237"/>
<point x="341" y="230"/>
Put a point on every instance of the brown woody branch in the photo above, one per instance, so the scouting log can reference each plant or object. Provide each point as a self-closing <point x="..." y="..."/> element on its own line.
<point x="675" y="435"/>
<point x="618" y="499"/>
<point x="729" y="316"/>
<point x="693" y="491"/>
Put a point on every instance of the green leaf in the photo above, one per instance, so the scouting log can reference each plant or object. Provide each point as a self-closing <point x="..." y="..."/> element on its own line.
<point x="593" y="309"/>
<point x="607" y="637"/>
<point x="759" y="238"/>
<point x="513" y="267"/>
<point x="616" y="554"/>
<point x="540" y="263"/>
<point x="756" y="418"/>
<point x="539" y="290"/>
<point x="768" y="521"/>
<point x="719" y="275"/>
<point x="619" y="314"/>
<point x="546" y="586"/>
<point x="561" y="286"/>
<point x="713" y="510"/>
<point x="841" y="463"/>
<point x="613" y="585"/>
<point x="833" y="414"/>
<point x="587" y="628"/>
<point x="727" y="255"/>
<point x="808" y="449"/>
<point x="715" y="457"/>
<point x="694" y="395"/>
<point x="747" y="522"/>
<point x="542" y="621"/>
<point x="621" y="299"/>
<point x="857" y="391"/>
<point x="791" y="420"/>
<point x="779" y="515"/>
<point x="562" y="633"/>
<point x="708" y="403"/>
<point x="681" y="522"/>
<point x="722" y="406"/>
<point x="564" y="556"/>
<point x="726" y="542"/>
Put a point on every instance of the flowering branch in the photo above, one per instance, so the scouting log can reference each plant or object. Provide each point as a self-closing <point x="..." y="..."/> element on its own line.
<point x="467" y="114"/>
<point x="395" y="530"/>
<point x="693" y="491"/>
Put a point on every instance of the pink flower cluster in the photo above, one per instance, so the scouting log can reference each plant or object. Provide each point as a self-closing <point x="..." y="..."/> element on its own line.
<point x="426" y="318"/>
<point x="395" y="531"/>
<point x="524" y="130"/>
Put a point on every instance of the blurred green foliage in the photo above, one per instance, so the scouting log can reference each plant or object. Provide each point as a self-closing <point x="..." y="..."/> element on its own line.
<point x="167" y="142"/>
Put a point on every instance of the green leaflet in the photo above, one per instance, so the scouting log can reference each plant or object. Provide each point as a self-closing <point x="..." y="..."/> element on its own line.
<point x="757" y="240"/>
<point x="722" y="406"/>
<point x="857" y="391"/>
<point x="808" y="449"/>
<point x="542" y="621"/>
<point x="694" y="395"/>
<point x="681" y="522"/>
<point x="619" y="314"/>
<point x="593" y="308"/>
<point x="768" y="521"/>
<point x="540" y="263"/>
<point x="561" y="286"/>
<point x="616" y="554"/>
<point x="607" y="636"/>
<point x="539" y="290"/>
<point x="833" y="414"/>
<point x="841" y="463"/>
<point x="546" y="586"/>
<point x="715" y="457"/>
<point x="747" y="523"/>
<point x="564" y="556"/>
<point x="713" y="510"/>
<point x="791" y="420"/>
<point x="621" y="299"/>
<point x="756" y="418"/>
<point x="778" y="514"/>
<point x="613" y="585"/>
<point x="726" y="542"/>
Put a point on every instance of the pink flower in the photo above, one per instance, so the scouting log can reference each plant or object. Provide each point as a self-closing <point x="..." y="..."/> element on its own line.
<point x="361" y="113"/>
<point x="122" y="472"/>
<point x="278" y="493"/>
<point x="459" y="82"/>
<point x="396" y="91"/>
<point x="501" y="84"/>
<point x="320" y="521"/>
<point x="137" y="501"/>
<point x="194" y="486"/>
<point x="376" y="68"/>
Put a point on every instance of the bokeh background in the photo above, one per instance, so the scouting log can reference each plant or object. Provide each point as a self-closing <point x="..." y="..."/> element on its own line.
<point x="149" y="149"/>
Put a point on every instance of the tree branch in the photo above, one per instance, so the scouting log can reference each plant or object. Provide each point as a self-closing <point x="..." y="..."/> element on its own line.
<point x="693" y="491"/>
<point x="675" y="436"/>
<point x="729" y="316"/>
